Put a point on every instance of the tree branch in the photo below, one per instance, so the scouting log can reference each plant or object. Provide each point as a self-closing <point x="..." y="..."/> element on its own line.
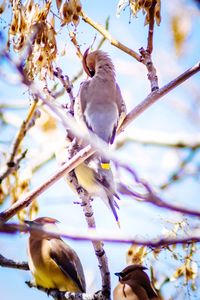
<point x="58" y="295"/>
<point x="9" y="263"/>
<point x="108" y="236"/>
<point x="89" y="216"/>
<point x="151" y="27"/>
<point x="108" y="36"/>
<point x="156" y="95"/>
<point x="29" y="197"/>
<point x="11" y="165"/>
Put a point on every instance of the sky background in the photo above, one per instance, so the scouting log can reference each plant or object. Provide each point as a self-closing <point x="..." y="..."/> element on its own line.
<point x="152" y="163"/>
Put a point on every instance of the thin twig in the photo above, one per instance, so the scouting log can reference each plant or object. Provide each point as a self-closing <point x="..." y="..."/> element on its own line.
<point x="58" y="295"/>
<point x="9" y="263"/>
<point x="106" y="236"/>
<point x="146" y="54"/>
<point x="147" y="60"/>
<point x="11" y="166"/>
<point x="179" y="173"/>
<point x="151" y="27"/>
<point x="157" y="201"/>
<point x="67" y="86"/>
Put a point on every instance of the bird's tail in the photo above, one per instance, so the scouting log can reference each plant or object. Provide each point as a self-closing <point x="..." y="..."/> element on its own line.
<point x="113" y="205"/>
<point x="105" y="164"/>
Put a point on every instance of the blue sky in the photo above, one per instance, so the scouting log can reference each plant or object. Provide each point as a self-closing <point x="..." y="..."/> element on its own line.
<point x="150" y="162"/>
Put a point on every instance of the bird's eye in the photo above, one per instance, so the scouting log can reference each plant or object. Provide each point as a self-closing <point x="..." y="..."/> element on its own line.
<point x="92" y="72"/>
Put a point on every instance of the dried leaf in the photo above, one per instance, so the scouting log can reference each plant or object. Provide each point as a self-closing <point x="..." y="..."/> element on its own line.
<point x="181" y="26"/>
<point x="58" y="4"/>
<point x="136" y="254"/>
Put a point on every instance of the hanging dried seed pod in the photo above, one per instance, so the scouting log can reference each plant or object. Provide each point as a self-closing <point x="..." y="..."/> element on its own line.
<point x="58" y="4"/>
<point x="66" y="13"/>
<point x="75" y="19"/>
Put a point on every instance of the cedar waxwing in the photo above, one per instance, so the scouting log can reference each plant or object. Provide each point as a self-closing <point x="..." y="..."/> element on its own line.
<point x="98" y="182"/>
<point x="53" y="263"/>
<point x="134" y="284"/>
<point x="100" y="105"/>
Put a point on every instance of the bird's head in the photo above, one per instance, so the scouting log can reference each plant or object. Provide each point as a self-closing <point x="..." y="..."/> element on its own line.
<point x="89" y="62"/>
<point x="45" y="223"/>
<point x="129" y="270"/>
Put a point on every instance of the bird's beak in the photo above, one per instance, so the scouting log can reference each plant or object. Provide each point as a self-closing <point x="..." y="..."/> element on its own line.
<point x="118" y="274"/>
<point x="30" y="223"/>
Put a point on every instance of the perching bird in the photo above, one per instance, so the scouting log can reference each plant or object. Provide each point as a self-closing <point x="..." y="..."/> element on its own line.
<point x="98" y="182"/>
<point x="100" y="105"/>
<point x="134" y="284"/>
<point x="53" y="263"/>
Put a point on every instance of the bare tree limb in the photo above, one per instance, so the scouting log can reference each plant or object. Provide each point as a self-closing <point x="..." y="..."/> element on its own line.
<point x="108" y="36"/>
<point x="146" y="54"/>
<point x="108" y="236"/>
<point x="151" y="27"/>
<point x="58" y="295"/>
<point x="156" y="95"/>
<point x="11" y="165"/>
<point x="89" y="216"/>
<point x="9" y="263"/>
<point x="67" y="86"/>
<point x="29" y="197"/>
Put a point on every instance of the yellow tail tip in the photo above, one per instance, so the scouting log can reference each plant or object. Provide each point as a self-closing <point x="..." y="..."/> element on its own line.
<point x="105" y="166"/>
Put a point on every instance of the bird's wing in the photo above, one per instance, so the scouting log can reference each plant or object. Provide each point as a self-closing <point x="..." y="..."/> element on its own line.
<point x="105" y="178"/>
<point x="68" y="261"/>
<point x="142" y="279"/>
<point x="81" y="100"/>
<point x="121" y="105"/>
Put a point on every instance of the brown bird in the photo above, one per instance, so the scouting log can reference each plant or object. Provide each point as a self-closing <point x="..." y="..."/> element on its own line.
<point x="100" y="105"/>
<point x="134" y="284"/>
<point x="52" y="262"/>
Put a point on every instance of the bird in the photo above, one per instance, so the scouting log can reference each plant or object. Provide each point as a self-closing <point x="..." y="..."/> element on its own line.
<point x="99" y="104"/>
<point x="53" y="263"/>
<point x="97" y="182"/>
<point x="134" y="284"/>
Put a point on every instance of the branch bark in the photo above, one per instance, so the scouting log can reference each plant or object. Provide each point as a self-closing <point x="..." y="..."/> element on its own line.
<point x="57" y="295"/>
<point x="156" y="95"/>
<point x="109" y="37"/>
<point x="11" y="163"/>
<point x="89" y="217"/>
<point x="29" y="197"/>
<point x="9" y="263"/>
<point x="112" y="237"/>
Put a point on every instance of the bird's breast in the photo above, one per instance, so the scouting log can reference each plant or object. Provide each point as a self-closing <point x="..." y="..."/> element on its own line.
<point x="46" y="272"/>
<point x="124" y="292"/>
